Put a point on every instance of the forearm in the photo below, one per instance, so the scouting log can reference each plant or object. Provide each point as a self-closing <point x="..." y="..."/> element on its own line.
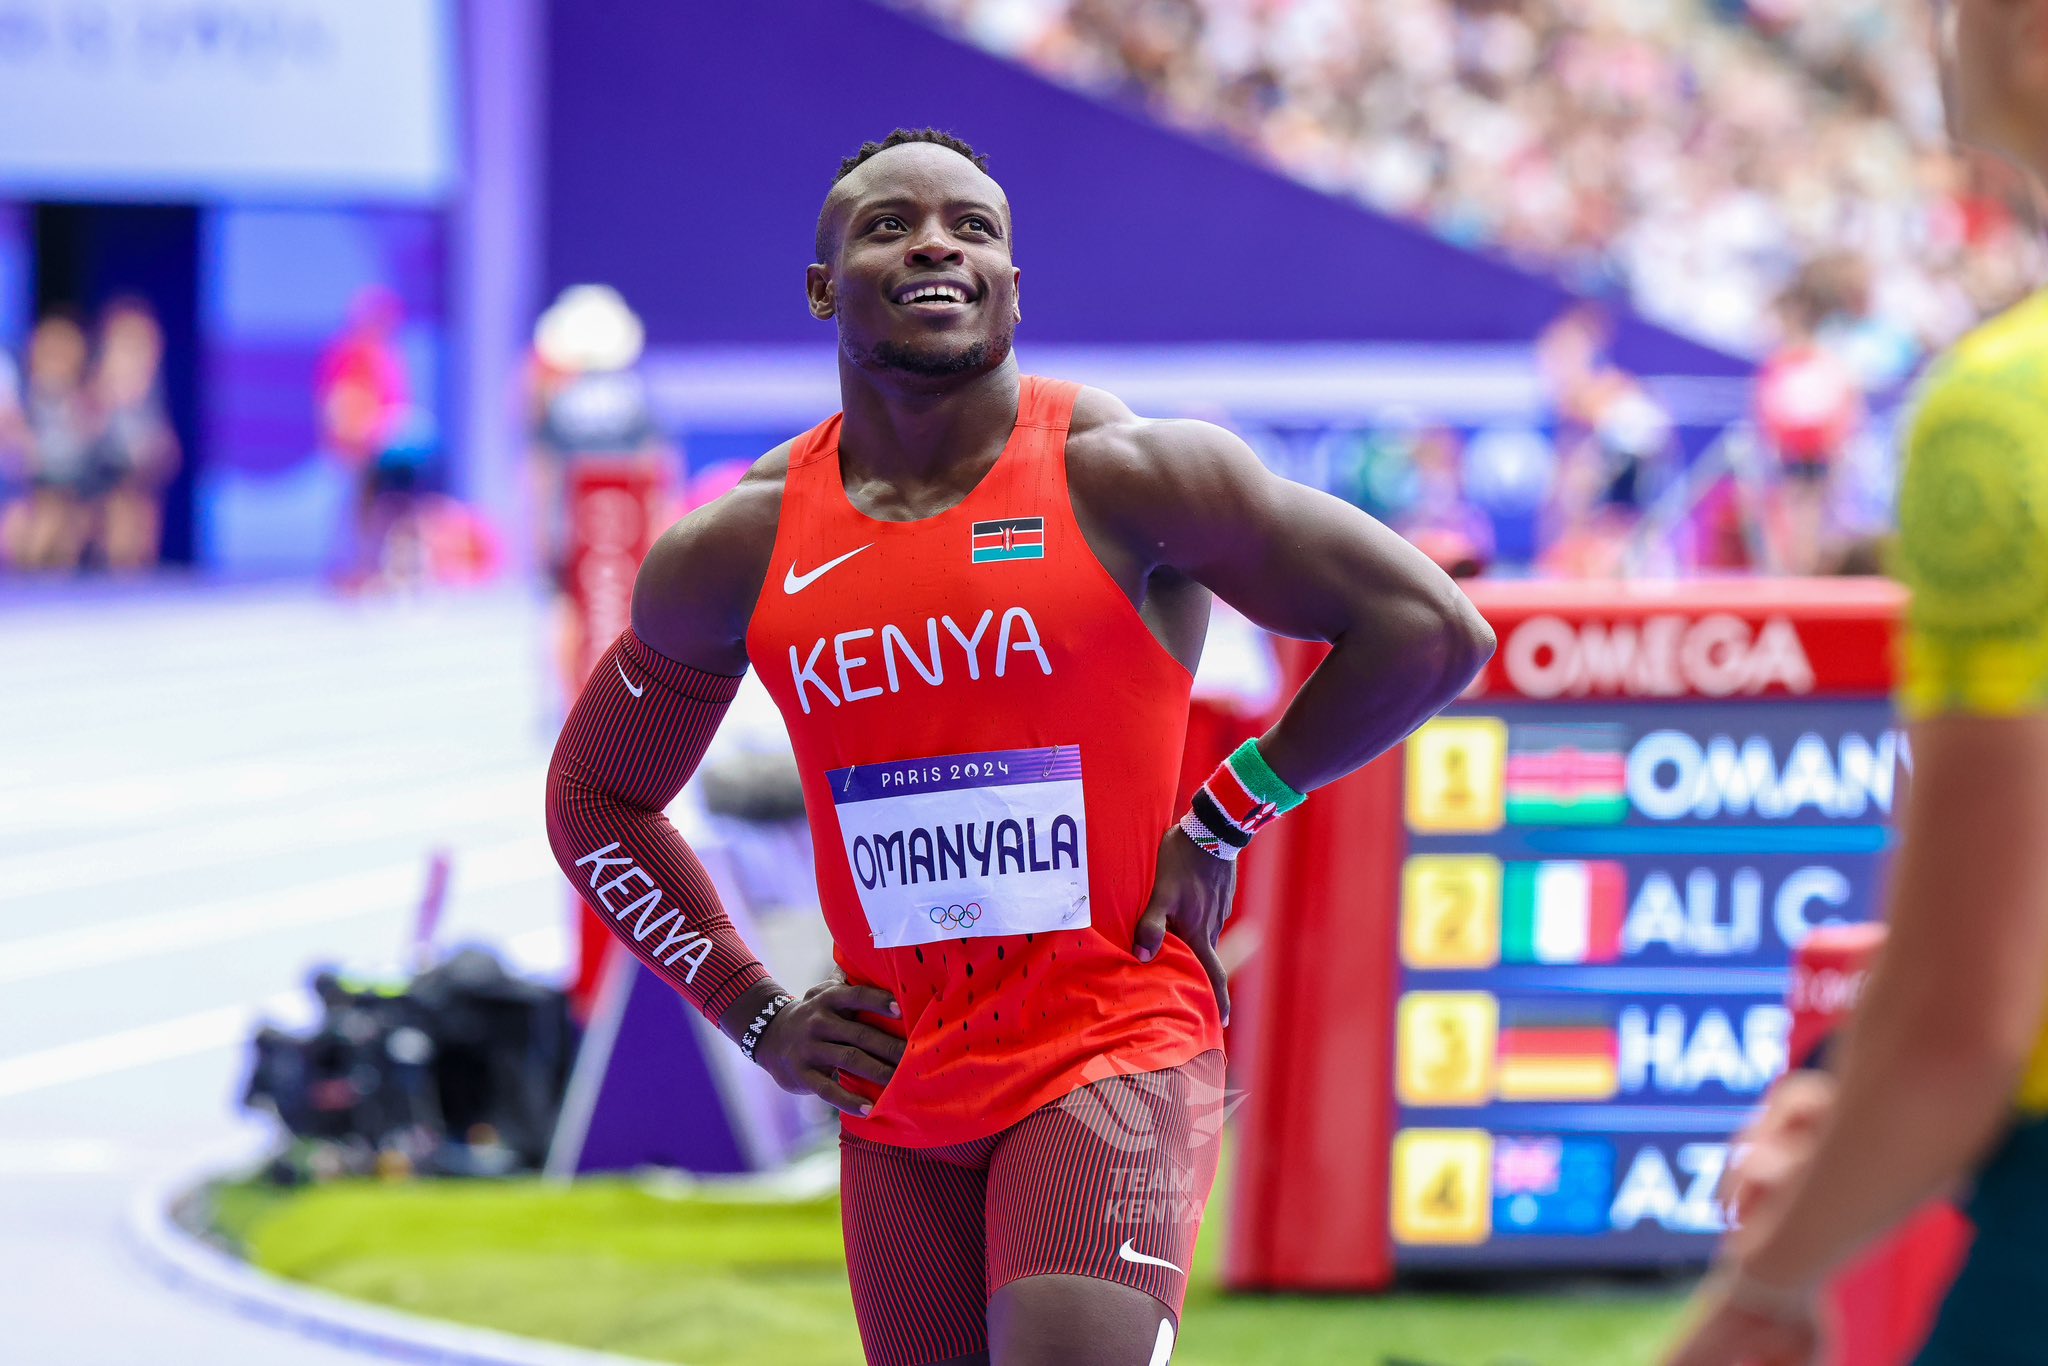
<point x="1933" y="1057"/>
<point x="1918" y="1107"/>
<point x="1373" y="689"/>
<point x="621" y="759"/>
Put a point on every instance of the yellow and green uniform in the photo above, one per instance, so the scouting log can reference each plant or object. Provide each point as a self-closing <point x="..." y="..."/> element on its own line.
<point x="1973" y="551"/>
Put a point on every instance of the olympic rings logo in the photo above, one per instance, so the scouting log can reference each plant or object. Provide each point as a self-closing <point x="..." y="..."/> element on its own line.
<point x="956" y="917"/>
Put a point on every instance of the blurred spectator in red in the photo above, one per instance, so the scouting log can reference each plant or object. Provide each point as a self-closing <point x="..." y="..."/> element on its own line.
<point x="364" y="398"/>
<point x="61" y="430"/>
<point x="135" y="452"/>
<point x="1808" y="406"/>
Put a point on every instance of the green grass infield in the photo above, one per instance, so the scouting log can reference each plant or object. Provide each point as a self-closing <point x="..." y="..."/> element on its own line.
<point x="717" y="1281"/>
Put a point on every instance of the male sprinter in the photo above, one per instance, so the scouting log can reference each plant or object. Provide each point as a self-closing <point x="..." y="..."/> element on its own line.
<point x="977" y="597"/>
<point x="1944" y="1073"/>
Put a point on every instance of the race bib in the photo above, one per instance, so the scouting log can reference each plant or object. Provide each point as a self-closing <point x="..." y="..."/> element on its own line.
<point x="967" y="845"/>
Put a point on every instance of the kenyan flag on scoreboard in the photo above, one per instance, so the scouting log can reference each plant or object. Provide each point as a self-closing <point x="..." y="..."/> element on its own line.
<point x="1567" y="774"/>
<point x="1562" y="911"/>
<point x="1011" y="538"/>
<point x="1555" y="1052"/>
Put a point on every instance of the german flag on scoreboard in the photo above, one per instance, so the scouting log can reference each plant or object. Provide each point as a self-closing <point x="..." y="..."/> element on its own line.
<point x="1555" y="1052"/>
<point x="1009" y="538"/>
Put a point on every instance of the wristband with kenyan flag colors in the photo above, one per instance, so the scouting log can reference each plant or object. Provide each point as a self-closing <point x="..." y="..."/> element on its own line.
<point x="1241" y="796"/>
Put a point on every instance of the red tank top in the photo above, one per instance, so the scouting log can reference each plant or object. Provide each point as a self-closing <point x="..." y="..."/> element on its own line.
<point x="988" y="736"/>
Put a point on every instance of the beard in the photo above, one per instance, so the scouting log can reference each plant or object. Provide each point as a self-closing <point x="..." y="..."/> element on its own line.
<point x="939" y="361"/>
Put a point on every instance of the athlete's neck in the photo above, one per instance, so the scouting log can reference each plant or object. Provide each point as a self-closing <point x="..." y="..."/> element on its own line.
<point x="911" y="437"/>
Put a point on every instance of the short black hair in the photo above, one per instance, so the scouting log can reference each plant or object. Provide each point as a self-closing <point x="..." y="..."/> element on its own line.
<point x="938" y="137"/>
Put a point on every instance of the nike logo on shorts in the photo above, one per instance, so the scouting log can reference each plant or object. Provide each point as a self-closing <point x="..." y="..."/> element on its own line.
<point x="1131" y="1255"/>
<point x="627" y="681"/>
<point x="793" y="582"/>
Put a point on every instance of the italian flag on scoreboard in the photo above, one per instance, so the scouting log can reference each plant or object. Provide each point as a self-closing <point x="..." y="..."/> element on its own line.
<point x="1562" y="911"/>
<point x="1567" y="774"/>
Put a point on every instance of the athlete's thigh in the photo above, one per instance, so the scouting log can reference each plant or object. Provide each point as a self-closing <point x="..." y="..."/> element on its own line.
<point x="915" y="1256"/>
<point x="1062" y="1320"/>
<point x="1094" y="1204"/>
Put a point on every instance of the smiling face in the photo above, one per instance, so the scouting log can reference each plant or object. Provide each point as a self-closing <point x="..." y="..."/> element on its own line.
<point x="917" y="270"/>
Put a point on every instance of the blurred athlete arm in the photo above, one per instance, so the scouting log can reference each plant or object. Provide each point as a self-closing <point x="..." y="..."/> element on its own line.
<point x="634" y="737"/>
<point x="1944" y="1029"/>
<point x="1941" y="1038"/>
<point x="1404" y="640"/>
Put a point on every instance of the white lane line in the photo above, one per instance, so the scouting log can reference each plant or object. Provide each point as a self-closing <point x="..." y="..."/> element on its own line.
<point x="73" y="721"/>
<point x="64" y="1157"/>
<point x="360" y="817"/>
<point x="129" y="797"/>
<point x="160" y="1042"/>
<point x="379" y="890"/>
<point x="188" y="772"/>
<point x="362" y="1331"/>
<point x="168" y="1039"/>
<point x="153" y="1043"/>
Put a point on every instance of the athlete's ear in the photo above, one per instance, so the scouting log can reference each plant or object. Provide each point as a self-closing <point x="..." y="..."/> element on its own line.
<point x="818" y="287"/>
<point x="1016" y="295"/>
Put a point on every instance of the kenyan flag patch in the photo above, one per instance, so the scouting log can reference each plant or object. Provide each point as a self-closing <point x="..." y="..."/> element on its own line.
<point x="1012" y="538"/>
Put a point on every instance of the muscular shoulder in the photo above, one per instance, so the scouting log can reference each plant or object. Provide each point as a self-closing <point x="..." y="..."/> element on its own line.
<point x="1110" y="442"/>
<point x="1158" y="480"/>
<point x="1973" y="542"/>
<point x="697" y="587"/>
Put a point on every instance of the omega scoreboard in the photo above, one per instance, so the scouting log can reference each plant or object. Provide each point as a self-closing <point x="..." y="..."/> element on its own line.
<point x="1585" y="882"/>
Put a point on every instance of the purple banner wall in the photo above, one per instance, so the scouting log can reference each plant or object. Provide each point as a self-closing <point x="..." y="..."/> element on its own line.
<point x="690" y="147"/>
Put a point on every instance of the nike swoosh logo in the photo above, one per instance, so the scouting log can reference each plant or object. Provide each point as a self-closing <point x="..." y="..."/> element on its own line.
<point x="627" y="681"/>
<point x="793" y="582"/>
<point x="1128" y="1254"/>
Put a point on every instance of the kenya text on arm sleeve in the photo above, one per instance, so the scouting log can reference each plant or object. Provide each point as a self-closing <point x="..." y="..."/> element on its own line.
<point x="632" y="740"/>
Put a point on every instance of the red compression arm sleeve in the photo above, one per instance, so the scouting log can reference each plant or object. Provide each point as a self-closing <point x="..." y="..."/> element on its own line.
<point x="623" y="757"/>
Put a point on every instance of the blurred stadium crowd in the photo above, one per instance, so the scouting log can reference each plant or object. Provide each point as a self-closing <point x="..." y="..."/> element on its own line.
<point x="1769" y="176"/>
<point x="1704" y="157"/>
